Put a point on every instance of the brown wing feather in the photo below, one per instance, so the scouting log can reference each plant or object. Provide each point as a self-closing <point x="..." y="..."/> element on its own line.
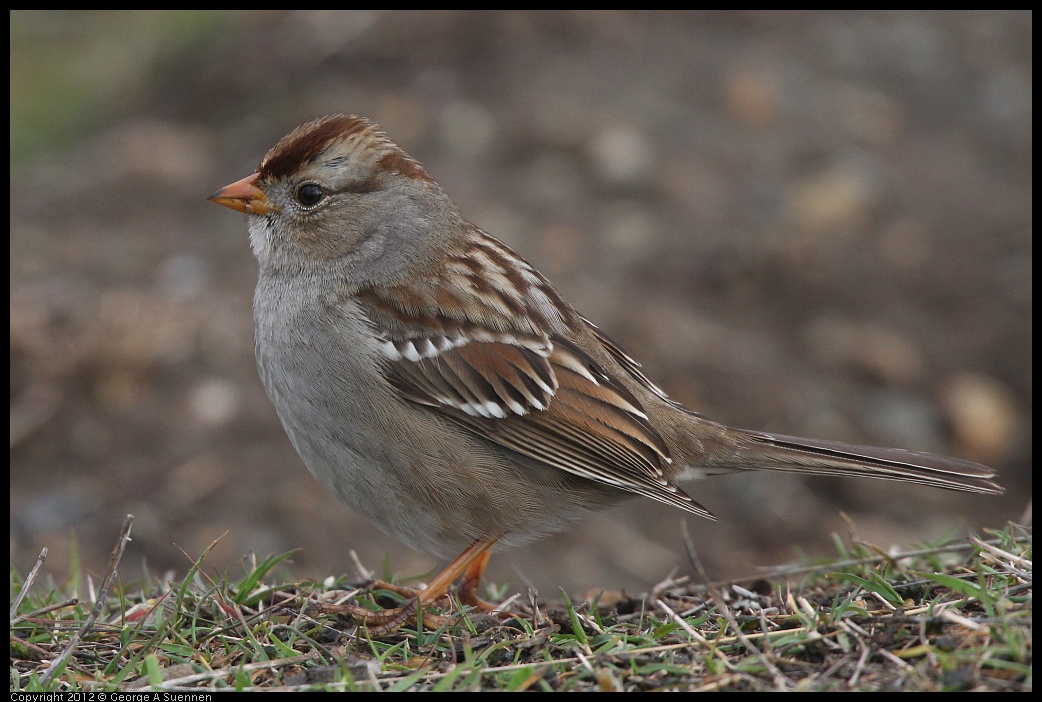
<point x="587" y="426"/>
<point x="472" y="343"/>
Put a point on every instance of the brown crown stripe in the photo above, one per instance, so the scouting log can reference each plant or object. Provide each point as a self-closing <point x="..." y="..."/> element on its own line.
<point x="401" y="163"/>
<point x="308" y="141"/>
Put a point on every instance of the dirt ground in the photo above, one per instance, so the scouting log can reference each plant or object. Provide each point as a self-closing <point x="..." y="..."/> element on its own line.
<point x="813" y="223"/>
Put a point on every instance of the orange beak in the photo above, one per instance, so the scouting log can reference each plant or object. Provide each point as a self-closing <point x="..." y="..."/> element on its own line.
<point x="244" y="196"/>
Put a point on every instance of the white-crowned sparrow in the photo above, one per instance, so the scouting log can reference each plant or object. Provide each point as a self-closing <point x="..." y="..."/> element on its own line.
<point x="442" y="387"/>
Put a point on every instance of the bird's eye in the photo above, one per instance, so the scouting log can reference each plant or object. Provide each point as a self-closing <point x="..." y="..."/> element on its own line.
<point x="310" y="194"/>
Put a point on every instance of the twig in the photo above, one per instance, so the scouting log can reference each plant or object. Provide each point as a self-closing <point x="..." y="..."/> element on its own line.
<point x="28" y="583"/>
<point x="230" y="672"/>
<point x="787" y="571"/>
<point x="780" y="681"/>
<point x="362" y="570"/>
<point x="49" y="608"/>
<point x="99" y="604"/>
<point x="669" y="583"/>
<point x="681" y="623"/>
<point x="999" y="553"/>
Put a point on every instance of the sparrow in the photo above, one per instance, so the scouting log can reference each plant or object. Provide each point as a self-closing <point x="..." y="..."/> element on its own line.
<point x="443" y="388"/>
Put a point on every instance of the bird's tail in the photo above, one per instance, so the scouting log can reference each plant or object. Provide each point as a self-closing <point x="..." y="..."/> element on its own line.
<point x="755" y="450"/>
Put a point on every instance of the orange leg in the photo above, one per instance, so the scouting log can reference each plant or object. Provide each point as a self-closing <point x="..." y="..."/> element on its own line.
<point x="468" y="587"/>
<point x="470" y="564"/>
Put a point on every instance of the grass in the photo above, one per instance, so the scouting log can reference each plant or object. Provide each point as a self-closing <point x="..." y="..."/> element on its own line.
<point x="948" y="617"/>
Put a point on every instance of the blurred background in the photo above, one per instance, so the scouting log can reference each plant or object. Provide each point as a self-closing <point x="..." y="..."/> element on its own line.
<point x="814" y="223"/>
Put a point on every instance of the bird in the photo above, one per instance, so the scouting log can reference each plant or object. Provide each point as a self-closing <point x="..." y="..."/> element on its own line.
<point x="440" y="386"/>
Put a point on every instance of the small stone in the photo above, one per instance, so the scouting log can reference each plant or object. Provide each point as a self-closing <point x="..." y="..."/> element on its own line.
<point x="621" y="155"/>
<point x="883" y="353"/>
<point x="751" y="98"/>
<point x="983" y="415"/>
<point x="215" y="401"/>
